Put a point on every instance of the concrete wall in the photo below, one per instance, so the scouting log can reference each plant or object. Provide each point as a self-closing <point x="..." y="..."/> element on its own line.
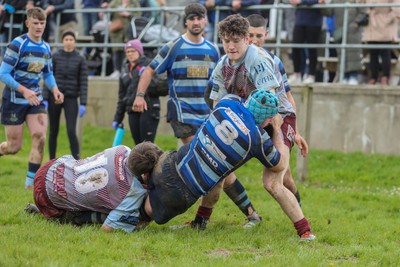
<point x="344" y="118"/>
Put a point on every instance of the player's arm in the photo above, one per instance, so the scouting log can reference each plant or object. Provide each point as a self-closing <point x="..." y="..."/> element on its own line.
<point x="277" y="153"/>
<point x="7" y="78"/>
<point x="298" y="139"/>
<point x="127" y="215"/>
<point x="140" y="105"/>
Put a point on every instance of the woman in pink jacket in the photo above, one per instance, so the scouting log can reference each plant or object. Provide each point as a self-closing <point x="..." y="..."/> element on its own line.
<point x="381" y="30"/>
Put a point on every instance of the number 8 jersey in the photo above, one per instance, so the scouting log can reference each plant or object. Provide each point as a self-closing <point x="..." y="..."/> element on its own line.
<point x="227" y="140"/>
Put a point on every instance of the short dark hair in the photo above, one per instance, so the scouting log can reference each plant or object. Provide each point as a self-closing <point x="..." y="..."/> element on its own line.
<point x="233" y="25"/>
<point x="256" y="20"/>
<point x="195" y="9"/>
<point x="36" y="13"/>
<point x="143" y="158"/>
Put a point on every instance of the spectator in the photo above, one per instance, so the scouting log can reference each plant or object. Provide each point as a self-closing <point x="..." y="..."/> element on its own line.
<point x="119" y="22"/>
<point x="352" y="65"/>
<point x="381" y="30"/>
<point x="68" y="21"/>
<point x="26" y="60"/>
<point x="89" y="19"/>
<point x="13" y="30"/>
<point x="70" y="71"/>
<point x="236" y="8"/>
<point x="143" y="125"/>
<point x="307" y="29"/>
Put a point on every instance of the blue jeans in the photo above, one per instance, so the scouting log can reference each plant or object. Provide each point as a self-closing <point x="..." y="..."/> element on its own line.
<point x="89" y="19"/>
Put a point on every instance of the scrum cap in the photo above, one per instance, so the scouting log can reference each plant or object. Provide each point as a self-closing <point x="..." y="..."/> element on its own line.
<point x="262" y="104"/>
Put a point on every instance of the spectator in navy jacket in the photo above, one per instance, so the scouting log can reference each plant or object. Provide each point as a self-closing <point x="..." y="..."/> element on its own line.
<point x="307" y="29"/>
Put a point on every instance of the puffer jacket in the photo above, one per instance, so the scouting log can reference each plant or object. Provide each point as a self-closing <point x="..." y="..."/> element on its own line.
<point x="383" y="22"/>
<point x="128" y="82"/>
<point x="70" y="72"/>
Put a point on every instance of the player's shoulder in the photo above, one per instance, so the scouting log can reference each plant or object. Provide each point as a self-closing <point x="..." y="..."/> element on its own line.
<point x="229" y="100"/>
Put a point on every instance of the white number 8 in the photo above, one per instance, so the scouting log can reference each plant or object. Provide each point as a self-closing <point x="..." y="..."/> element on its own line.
<point x="226" y="132"/>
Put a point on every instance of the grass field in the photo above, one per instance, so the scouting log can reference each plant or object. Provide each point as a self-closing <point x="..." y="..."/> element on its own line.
<point x="351" y="200"/>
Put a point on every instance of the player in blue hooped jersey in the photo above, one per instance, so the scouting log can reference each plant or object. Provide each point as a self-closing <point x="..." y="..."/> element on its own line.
<point x="233" y="134"/>
<point x="26" y="60"/>
<point x="189" y="61"/>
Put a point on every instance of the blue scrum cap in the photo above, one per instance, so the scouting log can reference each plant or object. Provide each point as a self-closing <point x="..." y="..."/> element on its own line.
<point x="262" y="104"/>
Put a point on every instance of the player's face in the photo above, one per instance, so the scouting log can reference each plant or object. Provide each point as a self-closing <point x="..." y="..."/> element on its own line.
<point x="35" y="28"/>
<point x="196" y="25"/>
<point x="258" y="35"/>
<point x="69" y="43"/>
<point x="132" y="55"/>
<point x="235" y="47"/>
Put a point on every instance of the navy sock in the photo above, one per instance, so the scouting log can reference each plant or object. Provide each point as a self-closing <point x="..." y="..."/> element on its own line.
<point x="238" y="195"/>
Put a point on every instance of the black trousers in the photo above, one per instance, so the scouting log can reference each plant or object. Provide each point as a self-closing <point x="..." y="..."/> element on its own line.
<point x="308" y="35"/>
<point x="374" y="65"/>
<point x="143" y="125"/>
<point x="70" y="107"/>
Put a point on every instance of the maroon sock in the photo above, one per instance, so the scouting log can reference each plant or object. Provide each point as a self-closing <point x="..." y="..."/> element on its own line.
<point x="302" y="226"/>
<point x="204" y="212"/>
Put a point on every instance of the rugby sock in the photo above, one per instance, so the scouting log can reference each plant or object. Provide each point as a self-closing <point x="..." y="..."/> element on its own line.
<point x="297" y="195"/>
<point x="238" y="195"/>
<point x="203" y="212"/>
<point x="32" y="169"/>
<point x="302" y="226"/>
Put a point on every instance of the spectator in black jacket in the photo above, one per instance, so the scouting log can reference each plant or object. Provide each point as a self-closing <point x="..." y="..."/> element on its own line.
<point x="143" y="125"/>
<point x="70" y="71"/>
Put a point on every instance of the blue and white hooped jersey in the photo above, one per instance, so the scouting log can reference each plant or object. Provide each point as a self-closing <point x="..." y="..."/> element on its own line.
<point x="228" y="139"/>
<point x="30" y="60"/>
<point x="189" y="67"/>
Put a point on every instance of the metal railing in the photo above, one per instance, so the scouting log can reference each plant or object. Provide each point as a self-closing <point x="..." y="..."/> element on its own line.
<point x="277" y="45"/>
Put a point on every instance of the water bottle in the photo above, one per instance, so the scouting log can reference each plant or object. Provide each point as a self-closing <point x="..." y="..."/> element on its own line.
<point x="119" y="135"/>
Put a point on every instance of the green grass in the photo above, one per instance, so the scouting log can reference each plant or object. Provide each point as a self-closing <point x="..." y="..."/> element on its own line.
<point x="351" y="201"/>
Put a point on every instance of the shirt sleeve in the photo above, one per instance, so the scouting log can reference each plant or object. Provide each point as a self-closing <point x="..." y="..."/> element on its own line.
<point x="5" y="76"/>
<point x="268" y="155"/>
<point x="126" y="215"/>
<point x="216" y="83"/>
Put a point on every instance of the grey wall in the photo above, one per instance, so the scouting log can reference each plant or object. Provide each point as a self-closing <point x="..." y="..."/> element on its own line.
<point x="344" y="118"/>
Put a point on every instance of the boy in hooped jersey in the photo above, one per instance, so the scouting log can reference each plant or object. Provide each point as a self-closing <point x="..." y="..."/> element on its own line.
<point x="244" y="68"/>
<point x="258" y="34"/>
<point x="26" y="60"/>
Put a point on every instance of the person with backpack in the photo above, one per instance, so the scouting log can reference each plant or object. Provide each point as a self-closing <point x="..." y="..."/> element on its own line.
<point x="143" y="125"/>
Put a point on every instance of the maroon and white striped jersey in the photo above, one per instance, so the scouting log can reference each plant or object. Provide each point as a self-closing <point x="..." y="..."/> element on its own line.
<point x="97" y="183"/>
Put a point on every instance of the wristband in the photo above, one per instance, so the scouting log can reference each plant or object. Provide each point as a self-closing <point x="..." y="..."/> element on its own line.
<point x="140" y="94"/>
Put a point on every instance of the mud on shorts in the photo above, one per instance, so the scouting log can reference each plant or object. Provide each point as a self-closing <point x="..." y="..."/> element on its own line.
<point x="168" y="194"/>
<point x="288" y="129"/>
<point x="40" y="196"/>
<point x="183" y="130"/>
<point x="15" y="114"/>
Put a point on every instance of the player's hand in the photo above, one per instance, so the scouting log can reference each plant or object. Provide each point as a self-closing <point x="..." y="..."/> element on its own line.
<point x="31" y="96"/>
<point x="277" y="121"/>
<point x="58" y="96"/>
<point x="302" y="144"/>
<point x="139" y="105"/>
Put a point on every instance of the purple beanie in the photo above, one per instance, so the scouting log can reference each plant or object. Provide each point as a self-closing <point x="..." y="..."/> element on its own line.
<point x="136" y="44"/>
